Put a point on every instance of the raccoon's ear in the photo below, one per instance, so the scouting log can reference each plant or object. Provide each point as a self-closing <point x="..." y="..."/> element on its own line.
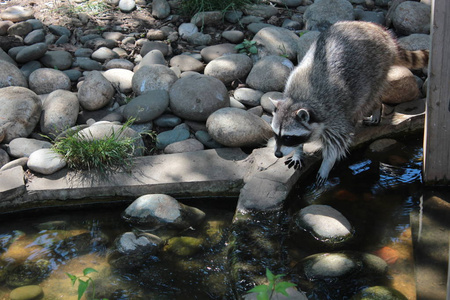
<point x="276" y="103"/>
<point x="303" y="115"/>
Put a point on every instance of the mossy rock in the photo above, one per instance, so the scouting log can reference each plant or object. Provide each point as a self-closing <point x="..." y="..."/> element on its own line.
<point x="379" y="293"/>
<point x="29" y="292"/>
<point x="183" y="245"/>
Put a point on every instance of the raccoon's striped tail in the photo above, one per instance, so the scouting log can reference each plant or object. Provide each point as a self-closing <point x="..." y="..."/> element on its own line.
<point x="412" y="59"/>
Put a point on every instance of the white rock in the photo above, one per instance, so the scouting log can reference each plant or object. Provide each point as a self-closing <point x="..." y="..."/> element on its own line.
<point x="45" y="161"/>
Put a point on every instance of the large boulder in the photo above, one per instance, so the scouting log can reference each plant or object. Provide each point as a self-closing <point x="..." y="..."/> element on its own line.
<point x="324" y="13"/>
<point x="196" y="96"/>
<point x="277" y="41"/>
<point x="159" y="210"/>
<point x="95" y="92"/>
<point x="270" y="73"/>
<point x="234" y="127"/>
<point x="20" y="109"/>
<point x="10" y="75"/>
<point x="60" y="111"/>
<point x="153" y="77"/>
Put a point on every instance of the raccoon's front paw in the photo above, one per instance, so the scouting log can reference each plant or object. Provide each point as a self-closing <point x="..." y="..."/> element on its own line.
<point x="294" y="162"/>
<point x="320" y="181"/>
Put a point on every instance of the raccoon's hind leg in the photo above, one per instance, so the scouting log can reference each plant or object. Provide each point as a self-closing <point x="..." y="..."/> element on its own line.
<point x="296" y="159"/>
<point x="375" y="118"/>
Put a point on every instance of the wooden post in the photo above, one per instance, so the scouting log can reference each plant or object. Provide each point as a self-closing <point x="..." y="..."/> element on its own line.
<point x="436" y="166"/>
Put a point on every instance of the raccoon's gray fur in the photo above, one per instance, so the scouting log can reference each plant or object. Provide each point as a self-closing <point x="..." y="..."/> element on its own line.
<point x="338" y="82"/>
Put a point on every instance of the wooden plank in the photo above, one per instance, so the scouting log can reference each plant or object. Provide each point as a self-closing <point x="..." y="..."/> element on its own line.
<point x="436" y="167"/>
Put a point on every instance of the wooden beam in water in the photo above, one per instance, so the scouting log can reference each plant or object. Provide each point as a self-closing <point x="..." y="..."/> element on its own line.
<point x="436" y="167"/>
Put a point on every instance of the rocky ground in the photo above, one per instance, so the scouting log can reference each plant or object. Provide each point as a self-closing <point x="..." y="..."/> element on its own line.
<point x="76" y="63"/>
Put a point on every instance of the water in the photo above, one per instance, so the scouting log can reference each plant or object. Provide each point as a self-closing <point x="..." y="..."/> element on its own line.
<point x="37" y="236"/>
<point x="376" y="193"/>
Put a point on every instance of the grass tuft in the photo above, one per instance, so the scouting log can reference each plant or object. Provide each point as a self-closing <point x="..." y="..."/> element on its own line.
<point x="83" y="152"/>
<point x="191" y="7"/>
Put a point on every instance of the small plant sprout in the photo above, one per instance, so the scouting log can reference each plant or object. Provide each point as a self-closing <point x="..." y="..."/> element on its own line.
<point x="83" y="282"/>
<point x="266" y="292"/>
<point x="247" y="47"/>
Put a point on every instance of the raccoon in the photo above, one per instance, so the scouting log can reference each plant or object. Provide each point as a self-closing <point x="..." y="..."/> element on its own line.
<point x="339" y="81"/>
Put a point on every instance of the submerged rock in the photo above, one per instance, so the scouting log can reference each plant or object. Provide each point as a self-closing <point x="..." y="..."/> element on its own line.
<point x="29" y="292"/>
<point x="183" y="245"/>
<point x="324" y="223"/>
<point x="379" y="293"/>
<point x="157" y="210"/>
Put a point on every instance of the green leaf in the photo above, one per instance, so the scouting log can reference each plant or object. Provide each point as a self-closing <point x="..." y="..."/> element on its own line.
<point x="282" y="286"/>
<point x="253" y="50"/>
<point x="259" y="289"/>
<point x="262" y="296"/>
<point x="88" y="271"/>
<point x="73" y="278"/>
<point x="270" y="275"/>
<point x="240" y="46"/>
<point x="82" y="286"/>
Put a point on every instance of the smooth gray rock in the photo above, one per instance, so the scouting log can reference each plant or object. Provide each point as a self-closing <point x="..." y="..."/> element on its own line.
<point x="23" y="147"/>
<point x="248" y="96"/>
<point x="95" y="92"/>
<point x="228" y="68"/>
<point x="127" y="5"/>
<point x="16" y="14"/>
<point x="415" y="41"/>
<point x="234" y="127"/>
<point x="196" y="96"/>
<point x="46" y="161"/>
<point x="120" y="78"/>
<point x="103" y="54"/>
<point x="166" y="138"/>
<point x="21" y="162"/>
<point x="233" y="36"/>
<point x="266" y="102"/>
<point x="87" y="64"/>
<point x="186" y="63"/>
<point x="148" y="46"/>
<point x="270" y="74"/>
<point x="119" y="63"/>
<point x="167" y="120"/>
<point x="10" y="75"/>
<point x="21" y="109"/>
<point x="20" y="29"/>
<point x="153" y="77"/>
<point x="206" y="139"/>
<point x="260" y="10"/>
<point x="59" y="30"/>
<point x="324" y="13"/>
<point x="32" y="52"/>
<point x="157" y="210"/>
<point x="4" y="158"/>
<point x="189" y="145"/>
<point x="151" y="58"/>
<point x="59" y="59"/>
<point x="35" y="36"/>
<point x="324" y="223"/>
<point x="412" y="17"/>
<point x="186" y="30"/>
<point x="203" y="18"/>
<point x="277" y="41"/>
<point x="46" y="80"/>
<point x="60" y="111"/>
<point x="211" y="52"/>
<point x="160" y="9"/>
<point x="147" y="106"/>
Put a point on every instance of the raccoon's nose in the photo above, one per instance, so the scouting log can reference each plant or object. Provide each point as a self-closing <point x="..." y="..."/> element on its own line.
<point x="278" y="154"/>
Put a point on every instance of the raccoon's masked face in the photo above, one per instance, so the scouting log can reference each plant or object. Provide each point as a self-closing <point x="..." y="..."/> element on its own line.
<point x="291" y="128"/>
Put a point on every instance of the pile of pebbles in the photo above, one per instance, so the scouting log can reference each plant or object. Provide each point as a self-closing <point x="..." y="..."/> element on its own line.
<point x="183" y="79"/>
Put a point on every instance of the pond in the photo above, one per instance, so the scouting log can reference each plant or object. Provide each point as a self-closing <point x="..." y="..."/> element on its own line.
<point x="377" y="193"/>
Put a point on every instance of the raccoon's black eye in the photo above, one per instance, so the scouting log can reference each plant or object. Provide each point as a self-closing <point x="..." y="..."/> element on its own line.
<point x="293" y="140"/>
